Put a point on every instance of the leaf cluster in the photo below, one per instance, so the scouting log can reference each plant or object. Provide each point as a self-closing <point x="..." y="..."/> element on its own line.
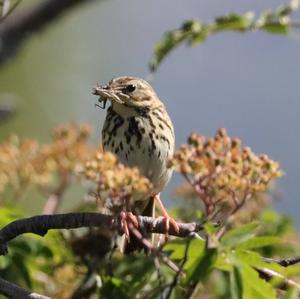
<point x="194" y="32"/>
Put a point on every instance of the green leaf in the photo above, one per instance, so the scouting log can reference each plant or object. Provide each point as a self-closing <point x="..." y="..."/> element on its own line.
<point x="113" y="288"/>
<point x="259" y="242"/>
<point x="199" y="268"/>
<point x="191" y="31"/>
<point x="8" y="215"/>
<point x="5" y="261"/>
<point x="236" y="287"/>
<point x="141" y="276"/>
<point x="276" y="28"/>
<point x="223" y="263"/>
<point x="234" y="22"/>
<point x="210" y="229"/>
<point x="197" y="39"/>
<point x="163" y="47"/>
<point x="22" y="268"/>
<point x="255" y="260"/>
<point x="292" y="293"/>
<point x="254" y="287"/>
<point x="177" y="249"/>
<point x="292" y="270"/>
<point x="239" y="235"/>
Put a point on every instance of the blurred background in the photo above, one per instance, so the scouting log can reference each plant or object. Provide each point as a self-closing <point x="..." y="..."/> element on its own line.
<point x="247" y="83"/>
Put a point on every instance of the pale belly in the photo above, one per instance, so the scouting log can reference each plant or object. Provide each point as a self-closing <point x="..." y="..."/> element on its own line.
<point x="145" y="149"/>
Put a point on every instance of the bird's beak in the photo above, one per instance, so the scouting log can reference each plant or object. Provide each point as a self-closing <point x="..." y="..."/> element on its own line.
<point x="105" y="93"/>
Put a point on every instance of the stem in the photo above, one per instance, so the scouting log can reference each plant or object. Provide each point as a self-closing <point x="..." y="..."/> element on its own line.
<point x="55" y="199"/>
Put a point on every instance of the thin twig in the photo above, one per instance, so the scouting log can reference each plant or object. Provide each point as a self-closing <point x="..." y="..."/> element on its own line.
<point x="31" y="19"/>
<point x="55" y="198"/>
<point x="155" y="252"/>
<point x="283" y="262"/>
<point x="199" y="192"/>
<point x="160" y="277"/>
<point x="13" y="291"/>
<point x="177" y="275"/>
<point x="149" y="293"/>
<point x="87" y="285"/>
<point x="268" y="274"/>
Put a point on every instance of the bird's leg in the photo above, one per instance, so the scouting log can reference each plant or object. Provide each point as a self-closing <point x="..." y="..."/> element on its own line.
<point x="168" y="220"/>
<point x="126" y="218"/>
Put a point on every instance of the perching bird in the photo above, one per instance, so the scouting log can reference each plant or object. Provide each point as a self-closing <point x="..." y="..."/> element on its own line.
<point x="139" y="131"/>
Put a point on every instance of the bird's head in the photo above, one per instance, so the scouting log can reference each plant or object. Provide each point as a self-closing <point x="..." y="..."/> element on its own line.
<point x="131" y="92"/>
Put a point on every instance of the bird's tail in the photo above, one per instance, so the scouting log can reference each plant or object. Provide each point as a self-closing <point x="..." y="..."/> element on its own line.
<point x="134" y="244"/>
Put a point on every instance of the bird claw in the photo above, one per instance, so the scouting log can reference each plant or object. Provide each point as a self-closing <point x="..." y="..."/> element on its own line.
<point x="168" y="221"/>
<point x="166" y="218"/>
<point x="127" y="219"/>
<point x="171" y="221"/>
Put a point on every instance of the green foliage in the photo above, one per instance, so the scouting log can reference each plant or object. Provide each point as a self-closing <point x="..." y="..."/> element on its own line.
<point x="28" y="254"/>
<point x="194" y="32"/>
<point x="239" y="235"/>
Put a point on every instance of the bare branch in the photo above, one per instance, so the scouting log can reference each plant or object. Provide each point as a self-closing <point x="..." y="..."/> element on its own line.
<point x="6" y="13"/>
<point x="13" y="291"/>
<point x="284" y="283"/>
<point x="283" y="262"/>
<point x="268" y="274"/>
<point x="41" y="224"/>
<point x="177" y="275"/>
<point x="17" y="26"/>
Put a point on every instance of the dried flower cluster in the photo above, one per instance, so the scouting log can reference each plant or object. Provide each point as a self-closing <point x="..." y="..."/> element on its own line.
<point x="116" y="184"/>
<point x="221" y="171"/>
<point x="26" y="162"/>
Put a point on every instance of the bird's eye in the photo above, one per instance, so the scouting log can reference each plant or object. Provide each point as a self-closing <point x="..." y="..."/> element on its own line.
<point x="130" y="88"/>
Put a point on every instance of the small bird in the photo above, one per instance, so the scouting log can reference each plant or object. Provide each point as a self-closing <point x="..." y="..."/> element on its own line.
<point x="139" y="131"/>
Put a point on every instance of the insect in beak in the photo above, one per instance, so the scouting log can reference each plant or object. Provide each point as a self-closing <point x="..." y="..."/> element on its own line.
<point x="98" y="90"/>
<point x="103" y="102"/>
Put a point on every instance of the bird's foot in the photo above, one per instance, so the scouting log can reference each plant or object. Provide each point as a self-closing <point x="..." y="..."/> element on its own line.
<point x="168" y="222"/>
<point x="127" y="219"/>
<point x="166" y="218"/>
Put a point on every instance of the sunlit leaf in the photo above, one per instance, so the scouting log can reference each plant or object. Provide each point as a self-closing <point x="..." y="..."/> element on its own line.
<point x="162" y="48"/>
<point x="258" y="242"/>
<point x="254" y="287"/>
<point x="210" y="229"/>
<point x="276" y="28"/>
<point x="177" y="249"/>
<point x="234" y="22"/>
<point x="236" y="286"/>
<point x="201" y="266"/>
<point x="255" y="260"/>
<point x="292" y="293"/>
<point x="239" y="235"/>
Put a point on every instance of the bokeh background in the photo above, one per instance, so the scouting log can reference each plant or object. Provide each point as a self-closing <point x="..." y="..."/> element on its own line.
<point x="248" y="83"/>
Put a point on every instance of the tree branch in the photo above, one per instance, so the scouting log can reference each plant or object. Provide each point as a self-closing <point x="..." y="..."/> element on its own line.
<point x="283" y="262"/>
<point x="13" y="291"/>
<point x="18" y="25"/>
<point x="5" y="13"/>
<point x="41" y="224"/>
